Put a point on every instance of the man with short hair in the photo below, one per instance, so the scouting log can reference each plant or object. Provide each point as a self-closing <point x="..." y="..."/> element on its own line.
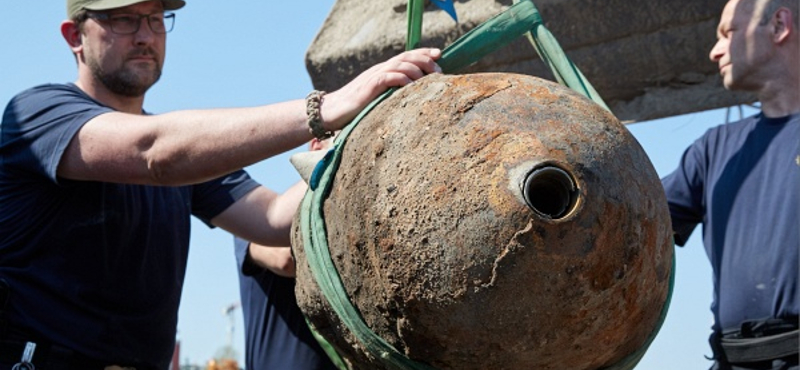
<point x="742" y="182"/>
<point x="96" y="195"/>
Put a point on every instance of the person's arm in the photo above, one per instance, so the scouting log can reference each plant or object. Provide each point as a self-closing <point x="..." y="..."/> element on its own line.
<point x="246" y="218"/>
<point x="278" y="260"/>
<point x="192" y="146"/>
<point x="263" y="216"/>
<point x="684" y="189"/>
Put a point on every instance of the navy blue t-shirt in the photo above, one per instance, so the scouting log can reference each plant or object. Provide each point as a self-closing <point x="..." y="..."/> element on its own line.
<point x="742" y="182"/>
<point x="96" y="267"/>
<point x="277" y="336"/>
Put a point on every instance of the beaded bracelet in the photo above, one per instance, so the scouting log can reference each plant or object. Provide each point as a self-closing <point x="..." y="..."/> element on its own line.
<point x="313" y="104"/>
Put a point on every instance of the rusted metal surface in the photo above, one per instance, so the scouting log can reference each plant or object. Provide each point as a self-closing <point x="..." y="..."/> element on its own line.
<point x="439" y="250"/>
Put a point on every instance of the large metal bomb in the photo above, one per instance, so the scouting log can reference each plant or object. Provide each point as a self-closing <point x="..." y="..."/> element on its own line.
<point x="494" y="221"/>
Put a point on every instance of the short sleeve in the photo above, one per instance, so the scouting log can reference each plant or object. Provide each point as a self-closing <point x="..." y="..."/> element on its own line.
<point x="210" y="198"/>
<point x="39" y="123"/>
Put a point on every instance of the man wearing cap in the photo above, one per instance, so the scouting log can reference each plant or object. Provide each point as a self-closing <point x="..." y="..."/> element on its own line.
<point x="96" y="195"/>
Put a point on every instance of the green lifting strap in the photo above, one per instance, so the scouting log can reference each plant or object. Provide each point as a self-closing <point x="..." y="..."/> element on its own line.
<point x="519" y="19"/>
<point x="415" y="9"/>
<point x="565" y="72"/>
<point x="327" y="347"/>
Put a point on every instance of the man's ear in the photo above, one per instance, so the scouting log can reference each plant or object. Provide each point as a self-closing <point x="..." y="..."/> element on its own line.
<point x="72" y="35"/>
<point x="782" y="25"/>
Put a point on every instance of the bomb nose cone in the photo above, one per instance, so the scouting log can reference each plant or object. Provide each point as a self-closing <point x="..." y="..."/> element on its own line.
<point x="305" y="162"/>
<point x="550" y="192"/>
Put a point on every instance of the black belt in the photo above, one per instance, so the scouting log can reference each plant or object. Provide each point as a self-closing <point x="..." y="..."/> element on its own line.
<point x="761" y="341"/>
<point x="53" y="357"/>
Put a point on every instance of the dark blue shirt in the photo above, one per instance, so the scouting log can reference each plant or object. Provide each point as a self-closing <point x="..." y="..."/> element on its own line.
<point x="741" y="181"/>
<point x="96" y="267"/>
<point x="277" y="336"/>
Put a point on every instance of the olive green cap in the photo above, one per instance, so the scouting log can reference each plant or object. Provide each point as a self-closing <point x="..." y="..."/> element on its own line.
<point x="74" y="6"/>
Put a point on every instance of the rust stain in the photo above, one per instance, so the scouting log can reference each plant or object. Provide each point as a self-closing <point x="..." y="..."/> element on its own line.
<point x="443" y="257"/>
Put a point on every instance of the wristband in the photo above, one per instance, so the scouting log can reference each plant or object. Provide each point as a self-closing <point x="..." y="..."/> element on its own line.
<point x="313" y="104"/>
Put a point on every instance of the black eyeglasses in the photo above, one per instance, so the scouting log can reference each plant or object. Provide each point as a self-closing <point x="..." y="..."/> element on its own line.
<point x="127" y="24"/>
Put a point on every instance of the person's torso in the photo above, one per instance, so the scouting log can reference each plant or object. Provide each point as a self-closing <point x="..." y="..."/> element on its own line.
<point x="752" y="218"/>
<point x="96" y="267"/>
<point x="277" y="335"/>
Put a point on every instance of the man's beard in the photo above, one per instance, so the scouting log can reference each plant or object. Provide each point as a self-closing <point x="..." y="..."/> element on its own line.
<point x="124" y="81"/>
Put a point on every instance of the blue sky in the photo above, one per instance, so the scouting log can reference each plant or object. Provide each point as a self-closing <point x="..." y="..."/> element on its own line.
<point x="253" y="54"/>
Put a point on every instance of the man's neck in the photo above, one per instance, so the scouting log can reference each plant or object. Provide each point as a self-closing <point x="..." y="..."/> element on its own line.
<point x="780" y="92"/>
<point x="125" y="104"/>
<point x="780" y="101"/>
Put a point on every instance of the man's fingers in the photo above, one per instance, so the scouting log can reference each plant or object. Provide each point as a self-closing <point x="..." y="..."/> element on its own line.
<point x="424" y="59"/>
<point x="398" y="71"/>
<point x="411" y="70"/>
<point x="395" y="79"/>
